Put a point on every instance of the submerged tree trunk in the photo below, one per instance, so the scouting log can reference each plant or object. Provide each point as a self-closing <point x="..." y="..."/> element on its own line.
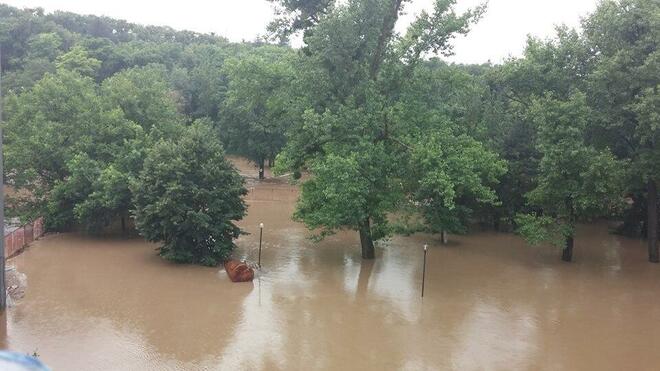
<point x="652" y="223"/>
<point x="567" y="254"/>
<point x="368" y="251"/>
<point x="261" y="168"/>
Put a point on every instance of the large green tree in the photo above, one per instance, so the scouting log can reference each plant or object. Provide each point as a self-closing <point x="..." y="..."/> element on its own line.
<point x="624" y="88"/>
<point x="575" y="181"/>
<point x="358" y="138"/>
<point x="556" y="66"/>
<point x="47" y="127"/>
<point x="451" y="173"/>
<point x="188" y="197"/>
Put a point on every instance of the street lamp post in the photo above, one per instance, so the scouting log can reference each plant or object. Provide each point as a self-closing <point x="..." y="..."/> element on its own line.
<point x="261" y="234"/>
<point x="424" y="269"/>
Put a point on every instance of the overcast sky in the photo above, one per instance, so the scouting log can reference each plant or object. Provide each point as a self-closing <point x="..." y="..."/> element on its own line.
<point x="502" y="31"/>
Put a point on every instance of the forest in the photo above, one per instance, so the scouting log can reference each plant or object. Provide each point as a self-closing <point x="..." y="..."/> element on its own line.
<point x="108" y="121"/>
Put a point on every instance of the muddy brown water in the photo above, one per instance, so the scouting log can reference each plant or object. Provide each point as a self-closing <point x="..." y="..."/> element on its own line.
<point x="490" y="303"/>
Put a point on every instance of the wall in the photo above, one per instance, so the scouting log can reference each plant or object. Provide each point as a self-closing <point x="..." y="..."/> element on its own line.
<point x="23" y="236"/>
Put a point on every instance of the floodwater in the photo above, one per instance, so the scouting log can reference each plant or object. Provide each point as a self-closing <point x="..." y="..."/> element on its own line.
<point x="491" y="303"/>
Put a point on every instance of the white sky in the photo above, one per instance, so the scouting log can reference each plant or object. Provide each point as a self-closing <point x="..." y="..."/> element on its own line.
<point x="501" y="33"/>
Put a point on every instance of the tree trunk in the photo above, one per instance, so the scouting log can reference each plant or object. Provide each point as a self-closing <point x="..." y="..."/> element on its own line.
<point x="443" y="236"/>
<point x="389" y="21"/>
<point x="123" y="225"/>
<point x="368" y="251"/>
<point x="567" y="254"/>
<point x="496" y="223"/>
<point x="652" y="227"/>
<point x="271" y="162"/>
<point x="261" y="168"/>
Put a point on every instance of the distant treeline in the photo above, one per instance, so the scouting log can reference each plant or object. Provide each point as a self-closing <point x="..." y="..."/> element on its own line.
<point x="32" y="41"/>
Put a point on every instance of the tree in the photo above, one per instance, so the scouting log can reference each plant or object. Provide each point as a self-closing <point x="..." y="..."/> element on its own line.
<point x="575" y="182"/>
<point x="75" y="151"/>
<point x="255" y="114"/>
<point x="349" y="135"/>
<point x="93" y="196"/>
<point x="48" y="125"/>
<point x="78" y="60"/>
<point x="296" y="15"/>
<point x="453" y="173"/>
<point x="623" y="87"/>
<point x="188" y="196"/>
<point x="206" y="83"/>
<point x="43" y="49"/>
<point x="45" y="45"/>
<point x="145" y="97"/>
<point x="557" y="66"/>
<point x="102" y="191"/>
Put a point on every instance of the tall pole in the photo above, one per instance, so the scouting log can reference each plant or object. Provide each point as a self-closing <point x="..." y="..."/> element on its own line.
<point x="261" y="234"/>
<point x="3" y="287"/>
<point x="424" y="269"/>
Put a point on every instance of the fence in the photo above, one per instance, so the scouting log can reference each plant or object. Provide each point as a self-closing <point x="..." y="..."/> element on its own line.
<point x="23" y="236"/>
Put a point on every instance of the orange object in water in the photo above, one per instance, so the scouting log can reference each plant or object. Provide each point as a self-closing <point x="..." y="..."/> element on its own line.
<point x="239" y="271"/>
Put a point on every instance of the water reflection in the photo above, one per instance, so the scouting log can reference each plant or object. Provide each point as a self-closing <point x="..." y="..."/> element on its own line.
<point x="480" y="344"/>
<point x="258" y="341"/>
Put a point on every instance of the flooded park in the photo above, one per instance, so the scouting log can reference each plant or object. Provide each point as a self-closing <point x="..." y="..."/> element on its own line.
<point x="491" y="302"/>
<point x="484" y="174"/>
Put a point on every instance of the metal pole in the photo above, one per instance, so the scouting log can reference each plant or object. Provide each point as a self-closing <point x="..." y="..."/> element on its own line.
<point x="3" y="287"/>
<point x="424" y="270"/>
<point x="261" y="234"/>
